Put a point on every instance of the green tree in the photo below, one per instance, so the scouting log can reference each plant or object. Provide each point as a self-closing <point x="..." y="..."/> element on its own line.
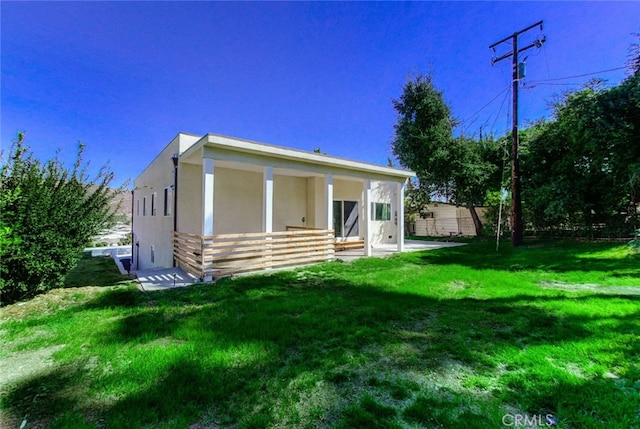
<point x="48" y="214"/>
<point x="582" y="169"/>
<point x="459" y="169"/>
<point x="634" y="55"/>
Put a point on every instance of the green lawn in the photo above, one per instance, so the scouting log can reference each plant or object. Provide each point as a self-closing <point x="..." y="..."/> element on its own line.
<point x="462" y="337"/>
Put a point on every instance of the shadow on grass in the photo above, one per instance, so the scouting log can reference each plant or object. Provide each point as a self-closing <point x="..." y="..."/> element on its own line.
<point x="97" y="271"/>
<point x="299" y="350"/>
<point x="542" y="256"/>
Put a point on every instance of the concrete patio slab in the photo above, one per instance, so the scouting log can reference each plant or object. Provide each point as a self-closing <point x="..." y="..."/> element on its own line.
<point x="383" y="250"/>
<point x="164" y="278"/>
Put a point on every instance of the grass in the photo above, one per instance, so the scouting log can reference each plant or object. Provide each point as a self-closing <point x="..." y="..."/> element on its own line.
<point x="453" y="338"/>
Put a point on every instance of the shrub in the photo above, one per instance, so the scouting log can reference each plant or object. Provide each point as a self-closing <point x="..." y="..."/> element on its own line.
<point x="635" y="243"/>
<point x="48" y="213"/>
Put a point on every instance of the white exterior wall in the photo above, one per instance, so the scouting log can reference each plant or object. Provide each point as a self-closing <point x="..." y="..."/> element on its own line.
<point x="190" y="198"/>
<point x="237" y="201"/>
<point x="385" y="231"/>
<point x="347" y="190"/>
<point x="150" y="230"/>
<point x="381" y="192"/>
<point x="289" y="202"/>
<point x="315" y="203"/>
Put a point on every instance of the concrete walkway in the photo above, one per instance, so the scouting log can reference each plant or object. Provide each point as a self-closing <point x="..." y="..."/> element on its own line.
<point x="164" y="278"/>
<point x="168" y="278"/>
<point x="383" y="250"/>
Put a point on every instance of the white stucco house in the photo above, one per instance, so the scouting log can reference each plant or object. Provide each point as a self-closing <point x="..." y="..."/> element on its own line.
<point x="214" y="204"/>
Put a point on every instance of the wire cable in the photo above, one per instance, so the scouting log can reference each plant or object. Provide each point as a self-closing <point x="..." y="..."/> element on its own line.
<point x="579" y="75"/>
<point x="483" y="107"/>
<point x="534" y="85"/>
<point x="493" y="126"/>
<point x="546" y="60"/>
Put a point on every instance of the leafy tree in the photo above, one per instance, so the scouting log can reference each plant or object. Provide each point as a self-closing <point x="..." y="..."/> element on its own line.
<point x="582" y="168"/>
<point x="423" y="131"/>
<point x="415" y="200"/>
<point x="48" y="214"/>
<point x="8" y="239"/>
<point x="634" y="55"/>
<point x="459" y="169"/>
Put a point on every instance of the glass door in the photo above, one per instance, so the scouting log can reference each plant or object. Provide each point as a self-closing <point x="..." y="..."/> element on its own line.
<point x="345" y="219"/>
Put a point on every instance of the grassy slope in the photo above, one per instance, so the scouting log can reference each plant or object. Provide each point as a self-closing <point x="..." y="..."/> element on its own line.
<point x="449" y="338"/>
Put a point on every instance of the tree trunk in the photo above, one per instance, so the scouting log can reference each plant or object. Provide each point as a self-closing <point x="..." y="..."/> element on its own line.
<point x="476" y="220"/>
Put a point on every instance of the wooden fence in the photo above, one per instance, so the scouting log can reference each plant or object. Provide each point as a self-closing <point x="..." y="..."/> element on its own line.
<point x="340" y="244"/>
<point x="224" y="254"/>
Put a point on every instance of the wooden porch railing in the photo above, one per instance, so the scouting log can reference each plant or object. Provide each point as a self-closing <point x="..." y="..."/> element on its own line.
<point x="340" y="244"/>
<point x="224" y="254"/>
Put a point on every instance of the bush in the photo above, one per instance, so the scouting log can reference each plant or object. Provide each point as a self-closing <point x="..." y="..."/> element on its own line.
<point x="635" y="243"/>
<point x="492" y="202"/>
<point x="48" y="214"/>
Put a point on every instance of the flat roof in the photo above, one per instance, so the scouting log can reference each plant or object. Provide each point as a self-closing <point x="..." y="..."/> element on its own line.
<point x="248" y="146"/>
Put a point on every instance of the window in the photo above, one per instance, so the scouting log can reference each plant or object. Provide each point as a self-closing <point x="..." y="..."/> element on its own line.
<point x="153" y="204"/>
<point x="137" y="207"/>
<point x="144" y="206"/>
<point x="380" y="211"/>
<point x="168" y="198"/>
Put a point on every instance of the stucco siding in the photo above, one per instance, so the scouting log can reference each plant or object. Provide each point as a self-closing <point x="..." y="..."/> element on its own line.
<point x="381" y="192"/>
<point x="347" y="190"/>
<point x="190" y="198"/>
<point x="289" y="202"/>
<point x="153" y="230"/>
<point x="313" y="203"/>
<point x="237" y="201"/>
<point x="384" y="231"/>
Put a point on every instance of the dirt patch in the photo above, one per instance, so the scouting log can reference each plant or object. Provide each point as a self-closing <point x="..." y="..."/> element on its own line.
<point x="594" y="288"/>
<point x="50" y="302"/>
<point x="22" y="366"/>
<point x="25" y="364"/>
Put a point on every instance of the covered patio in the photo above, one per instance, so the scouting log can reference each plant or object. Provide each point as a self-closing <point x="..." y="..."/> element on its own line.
<point x="263" y="207"/>
<point x="168" y="278"/>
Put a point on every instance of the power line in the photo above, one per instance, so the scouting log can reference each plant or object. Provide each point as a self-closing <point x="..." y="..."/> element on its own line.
<point x="493" y="126"/>
<point x="579" y="75"/>
<point x="533" y="84"/>
<point x="539" y="83"/>
<point x="546" y="60"/>
<point x="485" y="106"/>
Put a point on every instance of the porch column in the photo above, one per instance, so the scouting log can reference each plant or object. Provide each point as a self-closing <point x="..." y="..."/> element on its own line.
<point x="207" y="196"/>
<point x="400" y="215"/>
<point x="267" y="200"/>
<point x="367" y="217"/>
<point x="328" y="192"/>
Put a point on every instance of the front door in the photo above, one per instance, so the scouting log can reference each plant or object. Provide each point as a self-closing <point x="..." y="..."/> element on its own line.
<point x="345" y="219"/>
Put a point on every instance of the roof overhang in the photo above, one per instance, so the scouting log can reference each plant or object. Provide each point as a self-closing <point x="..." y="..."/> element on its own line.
<point x="233" y="149"/>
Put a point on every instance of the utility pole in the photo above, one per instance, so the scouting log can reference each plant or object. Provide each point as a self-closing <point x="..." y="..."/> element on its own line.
<point x="516" y="199"/>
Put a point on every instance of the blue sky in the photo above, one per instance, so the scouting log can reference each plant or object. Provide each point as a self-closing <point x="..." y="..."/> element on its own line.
<point x="125" y="77"/>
